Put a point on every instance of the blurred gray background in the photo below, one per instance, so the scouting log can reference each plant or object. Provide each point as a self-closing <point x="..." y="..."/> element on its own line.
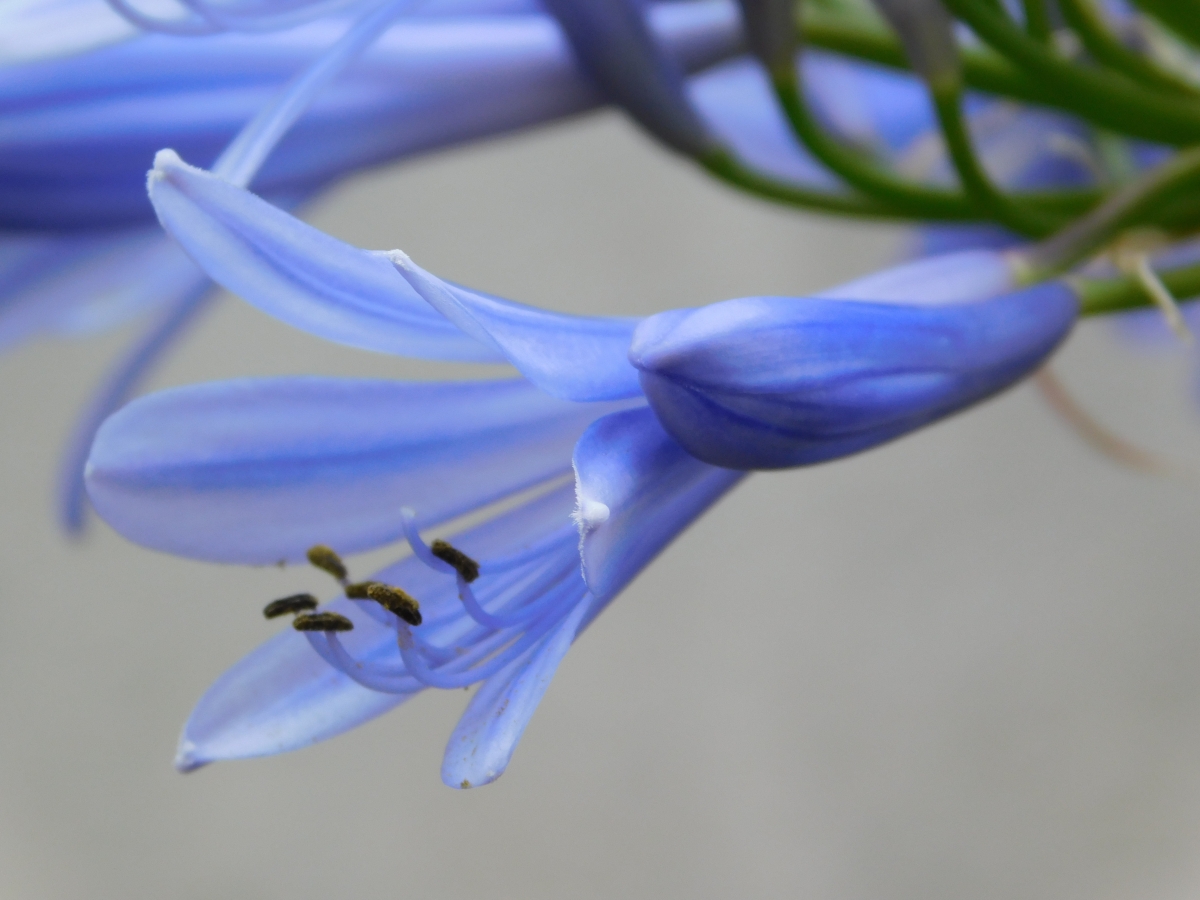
<point x="962" y="666"/>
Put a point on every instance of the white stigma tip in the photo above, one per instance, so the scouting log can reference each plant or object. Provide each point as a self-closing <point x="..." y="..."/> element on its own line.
<point x="590" y="514"/>
<point x="166" y="159"/>
<point x="399" y="259"/>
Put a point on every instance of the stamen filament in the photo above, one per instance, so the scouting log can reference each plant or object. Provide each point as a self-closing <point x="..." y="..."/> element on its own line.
<point x="440" y="679"/>
<point x="1163" y="299"/>
<point x="420" y="549"/>
<point x="503" y="618"/>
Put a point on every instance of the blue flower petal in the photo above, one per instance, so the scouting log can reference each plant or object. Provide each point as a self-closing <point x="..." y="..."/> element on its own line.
<point x="257" y="470"/>
<point x="636" y="490"/>
<point x="487" y="734"/>
<point x="772" y="382"/>
<point x="283" y="696"/>
<point x="297" y="273"/>
<point x="580" y="358"/>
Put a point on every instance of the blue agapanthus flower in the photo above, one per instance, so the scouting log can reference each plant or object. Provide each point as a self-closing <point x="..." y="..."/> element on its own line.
<point x="605" y="466"/>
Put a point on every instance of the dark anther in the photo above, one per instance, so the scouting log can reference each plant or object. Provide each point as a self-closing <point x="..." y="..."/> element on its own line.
<point x="327" y="560"/>
<point x="322" y="621"/>
<point x="463" y="564"/>
<point x="358" y="590"/>
<point x="395" y="600"/>
<point x="293" y="604"/>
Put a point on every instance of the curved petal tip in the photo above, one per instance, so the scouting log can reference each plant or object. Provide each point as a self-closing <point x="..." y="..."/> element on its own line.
<point x="187" y="758"/>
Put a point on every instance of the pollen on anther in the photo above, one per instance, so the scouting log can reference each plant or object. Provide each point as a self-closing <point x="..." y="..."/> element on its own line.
<point x="395" y="601"/>
<point x="296" y="603"/>
<point x="358" y="590"/>
<point x="327" y="560"/>
<point x="463" y="564"/>
<point x="322" y="621"/>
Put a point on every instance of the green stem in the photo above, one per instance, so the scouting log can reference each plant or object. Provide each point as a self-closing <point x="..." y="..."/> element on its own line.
<point x="869" y="40"/>
<point x="1086" y="22"/>
<point x="858" y="171"/>
<point x="1181" y="16"/>
<point x="1037" y="22"/>
<point x="947" y="99"/>
<point x="1099" y="297"/>
<point x="731" y="170"/>
<point x="1132" y="205"/>
<point x="1100" y="96"/>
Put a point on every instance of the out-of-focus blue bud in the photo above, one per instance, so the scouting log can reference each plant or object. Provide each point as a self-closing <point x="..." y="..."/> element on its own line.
<point x="774" y="382"/>
<point x="617" y="50"/>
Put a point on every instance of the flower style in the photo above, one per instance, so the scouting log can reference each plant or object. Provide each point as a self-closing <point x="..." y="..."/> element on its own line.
<point x="259" y="471"/>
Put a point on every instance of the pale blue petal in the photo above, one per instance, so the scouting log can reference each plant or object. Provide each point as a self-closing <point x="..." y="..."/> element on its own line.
<point x="297" y="273"/>
<point x="961" y="277"/>
<point x="636" y="490"/>
<point x="773" y="382"/>
<point x="282" y="696"/>
<point x="487" y="734"/>
<point x="257" y="470"/>
<point x="581" y="358"/>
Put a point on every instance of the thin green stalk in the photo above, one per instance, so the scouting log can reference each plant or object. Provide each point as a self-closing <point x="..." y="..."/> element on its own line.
<point x="1181" y="16"/>
<point x="731" y="170"/>
<point x="858" y="171"/>
<point x="1037" y="22"/>
<point x="1099" y="297"/>
<point x="1086" y="22"/>
<point x="983" y="69"/>
<point x="1134" y="204"/>
<point x="1101" y="96"/>
<point x="870" y="40"/>
<point x="947" y="99"/>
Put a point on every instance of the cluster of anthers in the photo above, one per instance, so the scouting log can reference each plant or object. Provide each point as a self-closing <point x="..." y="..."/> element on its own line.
<point x="533" y="595"/>
<point x="394" y="599"/>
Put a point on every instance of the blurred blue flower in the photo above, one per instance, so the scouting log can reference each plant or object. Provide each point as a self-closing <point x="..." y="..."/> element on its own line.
<point x="78" y="247"/>
<point x="258" y="471"/>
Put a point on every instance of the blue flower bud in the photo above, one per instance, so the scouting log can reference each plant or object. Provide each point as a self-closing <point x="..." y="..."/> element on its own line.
<point x="774" y="382"/>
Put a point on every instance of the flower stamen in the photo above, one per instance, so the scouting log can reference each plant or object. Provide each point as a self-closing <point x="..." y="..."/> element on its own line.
<point x="395" y="601"/>
<point x="467" y="568"/>
<point x="327" y="560"/>
<point x="322" y="621"/>
<point x="296" y="603"/>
